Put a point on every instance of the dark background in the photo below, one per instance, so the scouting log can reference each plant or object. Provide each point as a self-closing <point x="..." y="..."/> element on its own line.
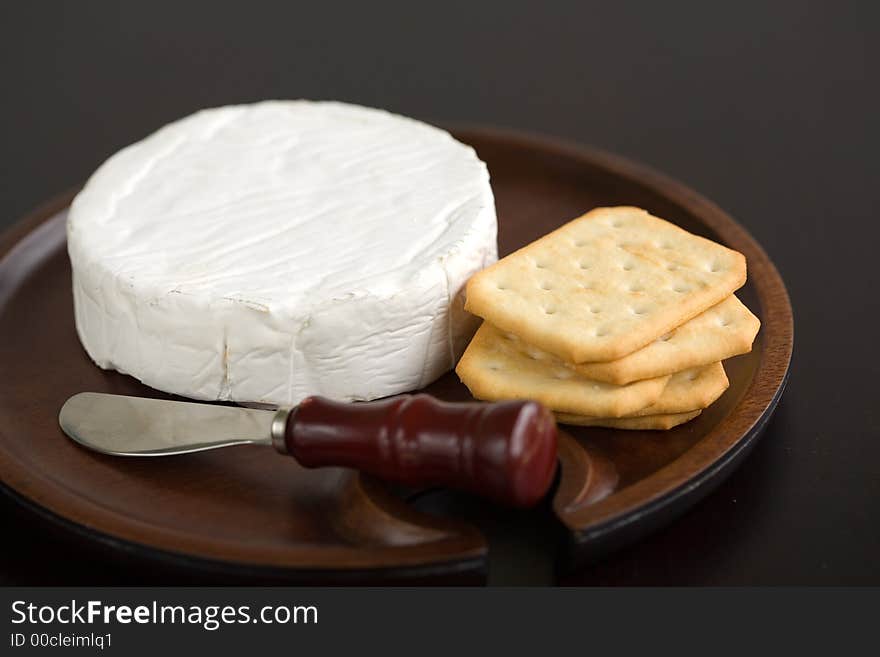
<point x="772" y="111"/>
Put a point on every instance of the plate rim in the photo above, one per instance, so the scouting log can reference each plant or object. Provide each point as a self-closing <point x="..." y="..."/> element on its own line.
<point x="686" y="478"/>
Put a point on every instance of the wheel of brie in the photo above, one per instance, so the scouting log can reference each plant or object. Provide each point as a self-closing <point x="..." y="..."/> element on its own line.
<point x="267" y="252"/>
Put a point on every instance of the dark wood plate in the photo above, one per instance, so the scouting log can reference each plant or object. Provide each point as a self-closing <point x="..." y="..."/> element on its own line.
<point x="248" y="511"/>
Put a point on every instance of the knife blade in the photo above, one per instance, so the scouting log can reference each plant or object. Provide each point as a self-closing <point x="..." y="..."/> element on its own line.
<point x="139" y="426"/>
<point x="505" y="451"/>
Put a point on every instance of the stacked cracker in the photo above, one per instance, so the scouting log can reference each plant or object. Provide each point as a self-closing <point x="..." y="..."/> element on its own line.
<point x="617" y="319"/>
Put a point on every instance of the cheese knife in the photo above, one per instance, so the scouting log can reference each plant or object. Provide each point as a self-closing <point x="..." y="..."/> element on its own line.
<point x="505" y="451"/>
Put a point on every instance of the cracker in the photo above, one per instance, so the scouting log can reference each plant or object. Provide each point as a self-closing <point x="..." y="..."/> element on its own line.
<point x="725" y="330"/>
<point x="605" y="284"/>
<point x="646" y="422"/>
<point x="689" y="390"/>
<point x="495" y="368"/>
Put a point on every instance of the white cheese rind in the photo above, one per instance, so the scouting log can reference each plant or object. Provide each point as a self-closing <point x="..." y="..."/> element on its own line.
<point x="267" y="252"/>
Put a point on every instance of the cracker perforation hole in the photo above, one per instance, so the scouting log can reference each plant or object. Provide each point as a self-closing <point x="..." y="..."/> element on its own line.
<point x="628" y="266"/>
<point x="584" y="264"/>
<point x="546" y="286"/>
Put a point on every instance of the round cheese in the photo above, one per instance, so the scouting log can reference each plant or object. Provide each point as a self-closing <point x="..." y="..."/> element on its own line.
<point x="267" y="252"/>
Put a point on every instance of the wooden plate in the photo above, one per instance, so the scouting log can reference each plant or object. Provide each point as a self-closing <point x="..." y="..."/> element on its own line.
<point x="248" y="511"/>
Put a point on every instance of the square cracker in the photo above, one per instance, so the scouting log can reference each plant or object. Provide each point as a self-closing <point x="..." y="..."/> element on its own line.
<point x="605" y="284"/>
<point x="689" y="390"/>
<point x="494" y="367"/>
<point x="727" y="329"/>
<point x="645" y="422"/>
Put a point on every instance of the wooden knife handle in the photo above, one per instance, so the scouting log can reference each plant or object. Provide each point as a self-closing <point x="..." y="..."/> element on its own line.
<point x="505" y="451"/>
